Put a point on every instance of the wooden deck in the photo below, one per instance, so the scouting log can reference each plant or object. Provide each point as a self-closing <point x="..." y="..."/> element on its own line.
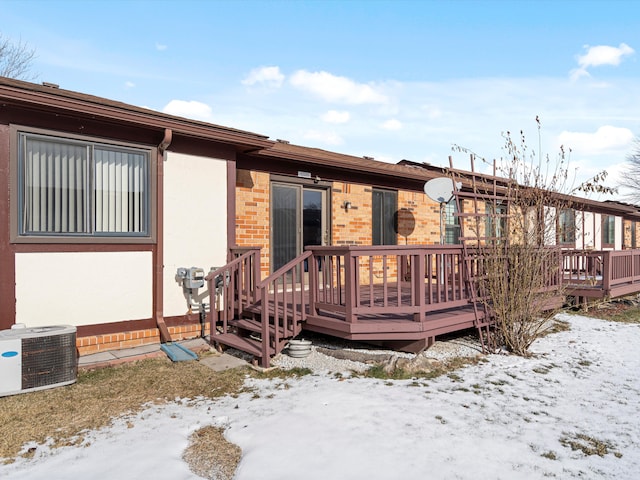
<point x="400" y="296"/>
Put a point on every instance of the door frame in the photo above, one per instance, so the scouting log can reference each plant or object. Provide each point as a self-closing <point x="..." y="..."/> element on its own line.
<point x="301" y="183"/>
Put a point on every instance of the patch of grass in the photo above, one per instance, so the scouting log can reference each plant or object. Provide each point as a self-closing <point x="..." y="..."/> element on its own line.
<point x="543" y="369"/>
<point x="210" y="455"/>
<point x="588" y="445"/>
<point x="619" y="310"/>
<point x="556" y="326"/>
<point x="499" y="382"/>
<point x="279" y="373"/>
<point x="629" y="315"/>
<point x="550" y="455"/>
<point x="64" y="414"/>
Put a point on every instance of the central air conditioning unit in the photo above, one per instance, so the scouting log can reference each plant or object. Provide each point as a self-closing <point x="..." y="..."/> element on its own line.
<point x="37" y="358"/>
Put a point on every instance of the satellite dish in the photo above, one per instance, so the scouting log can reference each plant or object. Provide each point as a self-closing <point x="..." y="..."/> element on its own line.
<point x="440" y="189"/>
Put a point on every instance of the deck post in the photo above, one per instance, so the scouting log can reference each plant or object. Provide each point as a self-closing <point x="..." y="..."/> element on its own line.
<point x="350" y="267"/>
<point x="314" y="277"/>
<point x="264" y="323"/>
<point x="606" y="272"/>
<point x="419" y="285"/>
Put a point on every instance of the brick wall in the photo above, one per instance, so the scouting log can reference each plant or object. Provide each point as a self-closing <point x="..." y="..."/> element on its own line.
<point x="252" y="213"/>
<point x="418" y="216"/>
<point x="117" y="341"/>
<point x="628" y="225"/>
<point x="351" y="226"/>
<point x="418" y="219"/>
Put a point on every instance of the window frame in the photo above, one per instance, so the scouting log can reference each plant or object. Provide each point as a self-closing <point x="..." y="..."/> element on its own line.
<point x="605" y="231"/>
<point x="16" y="185"/>
<point x="566" y="233"/>
<point x="451" y="223"/>
<point x="495" y="227"/>
<point x="379" y="223"/>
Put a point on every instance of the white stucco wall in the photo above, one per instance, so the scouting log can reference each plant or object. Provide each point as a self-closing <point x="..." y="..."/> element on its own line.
<point x="550" y="216"/>
<point x="585" y="234"/>
<point x="619" y="235"/>
<point x="597" y="231"/>
<point x="83" y="288"/>
<point x="195" y="221"/>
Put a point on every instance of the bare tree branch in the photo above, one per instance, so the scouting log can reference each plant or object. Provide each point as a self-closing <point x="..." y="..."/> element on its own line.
<point x="15" y="59"/>
<point x="631" y="180"/>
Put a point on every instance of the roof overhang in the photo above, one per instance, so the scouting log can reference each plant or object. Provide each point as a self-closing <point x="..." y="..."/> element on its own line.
<point x="47" y="98"/>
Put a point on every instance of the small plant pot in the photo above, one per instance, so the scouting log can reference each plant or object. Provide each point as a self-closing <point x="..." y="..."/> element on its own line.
<point x="299" y="348"/>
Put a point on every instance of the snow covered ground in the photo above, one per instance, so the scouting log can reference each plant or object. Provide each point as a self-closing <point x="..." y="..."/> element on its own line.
<point x="507" y="418"/>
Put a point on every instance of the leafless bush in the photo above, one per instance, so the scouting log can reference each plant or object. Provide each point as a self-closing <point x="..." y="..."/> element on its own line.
<point x="518" y="238"/>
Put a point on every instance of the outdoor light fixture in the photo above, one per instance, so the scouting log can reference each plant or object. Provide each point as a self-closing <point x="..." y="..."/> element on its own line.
<point x="346" y="205"/>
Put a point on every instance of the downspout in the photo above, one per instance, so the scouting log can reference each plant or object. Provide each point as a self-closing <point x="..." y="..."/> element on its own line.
<point x="158" y="263"/>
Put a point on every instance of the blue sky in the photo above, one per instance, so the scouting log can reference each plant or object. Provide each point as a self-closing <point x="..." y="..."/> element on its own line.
<point x="388" y="79"/>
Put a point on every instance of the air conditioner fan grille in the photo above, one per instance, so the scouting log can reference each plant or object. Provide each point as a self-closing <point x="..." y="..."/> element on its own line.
<point x="48" y="360"/>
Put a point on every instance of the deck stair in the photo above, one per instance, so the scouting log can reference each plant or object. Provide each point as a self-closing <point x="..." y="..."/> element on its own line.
<point x="257" y="316"/>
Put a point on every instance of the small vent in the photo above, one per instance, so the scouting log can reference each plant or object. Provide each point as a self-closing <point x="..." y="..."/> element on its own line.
<point x="48" y="360"/>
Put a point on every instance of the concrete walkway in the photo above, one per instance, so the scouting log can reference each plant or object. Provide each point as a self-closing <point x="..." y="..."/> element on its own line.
<point x="214" y="360"/>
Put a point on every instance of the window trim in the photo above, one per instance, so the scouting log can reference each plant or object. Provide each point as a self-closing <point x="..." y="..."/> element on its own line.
<point x="450" y="212"/>
<point x="384" y="191"/>
<point x="566" y="238"/>
<point x="109" y="238"/>
<point x="603" y="224"/>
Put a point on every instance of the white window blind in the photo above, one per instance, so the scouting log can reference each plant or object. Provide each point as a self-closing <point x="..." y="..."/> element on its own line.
<point x="56" y="183"/>
<point x="120" y="191"/>
<point x="82" y="188"/>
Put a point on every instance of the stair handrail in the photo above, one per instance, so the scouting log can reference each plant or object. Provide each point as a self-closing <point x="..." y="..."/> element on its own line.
<point x="234" y="285"/>
<point x="285" y="326"/>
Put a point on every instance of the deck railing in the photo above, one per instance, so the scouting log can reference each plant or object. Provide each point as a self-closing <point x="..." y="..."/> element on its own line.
<point x="283" y="303"/>
<point x="356" y="281"/>
<point x="397" y="280"/>
<point x="600" y="269"/>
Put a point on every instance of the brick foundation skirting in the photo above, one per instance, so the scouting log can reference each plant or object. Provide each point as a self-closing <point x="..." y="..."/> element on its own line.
<point x="138" y="338"/>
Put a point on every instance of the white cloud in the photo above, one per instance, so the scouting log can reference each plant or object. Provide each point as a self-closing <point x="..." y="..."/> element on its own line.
<point x="188" y="109"/>
<point x="269" y="76"/>
<point x="129" y="84"/>
<point x="600" y="55"/>
<point x="335" y="116"/>
<point x="605" y="138"/>
<point x="160" y="47"/>
<point x="336" y="89"/>
<point x="328" y="138"/>
<point x="392" y="124"/>
<point x="432" y="112"/>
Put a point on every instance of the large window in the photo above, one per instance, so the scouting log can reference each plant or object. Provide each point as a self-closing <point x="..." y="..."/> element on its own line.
<point x="77" y="188"/>
<point x="608" y="231"/>
<point x="567" y="226"/>
<point x="384" y="221"/>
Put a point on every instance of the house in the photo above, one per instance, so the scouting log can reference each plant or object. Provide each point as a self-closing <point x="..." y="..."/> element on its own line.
<point x="106" y="207"/>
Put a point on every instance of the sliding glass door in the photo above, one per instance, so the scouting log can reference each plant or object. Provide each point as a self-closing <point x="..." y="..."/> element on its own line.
<point x="298" y="219"/>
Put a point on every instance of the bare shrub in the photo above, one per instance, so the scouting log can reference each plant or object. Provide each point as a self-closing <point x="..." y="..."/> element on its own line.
<point x="517" y="234"/>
